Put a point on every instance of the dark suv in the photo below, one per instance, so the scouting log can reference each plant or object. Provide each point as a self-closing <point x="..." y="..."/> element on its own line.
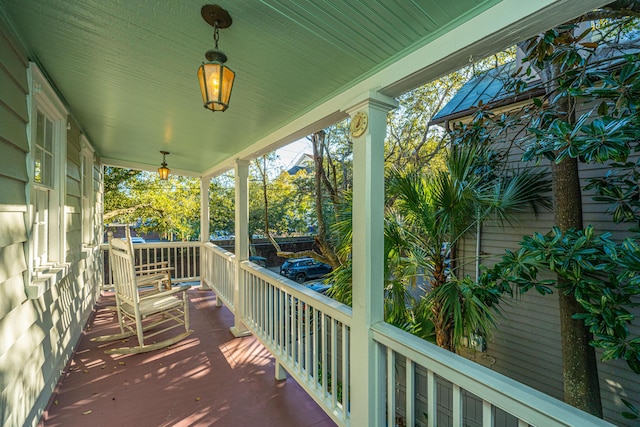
<point x="302" y="269"/>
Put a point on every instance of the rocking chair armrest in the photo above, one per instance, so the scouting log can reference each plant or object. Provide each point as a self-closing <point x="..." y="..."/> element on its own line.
<point x="140" y="272"/>
<point x="181" y="288"/>
<point x="159" y="264"/>
<point x="148" y="279"/>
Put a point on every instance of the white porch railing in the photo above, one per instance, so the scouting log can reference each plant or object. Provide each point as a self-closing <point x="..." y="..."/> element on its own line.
<point x="183" y="257"/>
<point x="422" y="384"/>
<point x="434" y="381"/>
<point x="218" y="273"/>
<point x="308" y="333"/>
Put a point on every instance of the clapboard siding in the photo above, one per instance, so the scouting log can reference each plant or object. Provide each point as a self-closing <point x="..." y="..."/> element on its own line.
<point x="14" y="62"/>
<point x="526" y="345"/>
<point x="11" y="94"/>
<point x="12" y="291"/>
<point x="13" y="128"/>
<point x="73" y="168"/>
<point x="37" y="336"/>
<point x="12" y="228"/>
<point x="12" y="164"/>
<point x="73" y="187"/>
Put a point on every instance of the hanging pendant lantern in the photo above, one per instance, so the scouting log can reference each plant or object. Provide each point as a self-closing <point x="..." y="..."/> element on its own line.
<point x="163" y="170"/>
<point x="216" y="79"/>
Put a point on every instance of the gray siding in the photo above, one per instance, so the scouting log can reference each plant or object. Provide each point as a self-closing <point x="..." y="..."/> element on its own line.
<point x="526" y="345"/>
<point x="37" y="336"/>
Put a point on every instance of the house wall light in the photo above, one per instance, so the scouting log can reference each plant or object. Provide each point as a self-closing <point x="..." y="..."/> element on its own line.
<point x="163" y="170"/>
<point x="216" y="79"/>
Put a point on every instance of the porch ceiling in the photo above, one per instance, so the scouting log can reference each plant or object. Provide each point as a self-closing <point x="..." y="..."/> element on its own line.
<point x="127" y="69"/>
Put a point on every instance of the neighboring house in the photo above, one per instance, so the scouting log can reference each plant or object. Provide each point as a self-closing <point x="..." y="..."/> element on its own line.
<point x="303" y="162"/>
<point x="50" y="213"/>
<point x="526" y="345"/>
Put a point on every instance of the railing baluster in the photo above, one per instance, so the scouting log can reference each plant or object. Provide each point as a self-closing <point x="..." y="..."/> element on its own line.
<point x="432" y="399"/>
<point x="391" y="387"/>
<point x="410" y="391"/>
<point x="307" y="341"/>
<point x="346" y="356"/>
<point x="287" y="324"/>
<point x="487" y="414"/>
<point x="270" y="312"/>
<point x="300" y="320"/>
<point x="324" y="355"/>
<point x="334" y="362"/>
<point x="457" y="405"/>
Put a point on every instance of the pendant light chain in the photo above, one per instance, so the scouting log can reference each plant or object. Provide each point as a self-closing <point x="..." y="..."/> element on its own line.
<point x="216" y="35"/>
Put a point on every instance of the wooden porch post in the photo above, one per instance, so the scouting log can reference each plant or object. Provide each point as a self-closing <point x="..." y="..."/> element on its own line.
<point x="204" y="228"/>
<point x="241" y="243"/>
<point x="367" y="373"/>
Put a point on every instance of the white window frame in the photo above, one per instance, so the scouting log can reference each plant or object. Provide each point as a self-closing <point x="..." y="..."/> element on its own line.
<point x="88" y="193"/>
<point x="43" y="98"/>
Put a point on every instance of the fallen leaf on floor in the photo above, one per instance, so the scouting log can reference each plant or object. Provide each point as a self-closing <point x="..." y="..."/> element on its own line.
<point x="55" y="402"/>
<point x="86" y="412"/>
<point x="86" y="371"/>
<point x="197" y="399"/>
<point x="121" y="363"/>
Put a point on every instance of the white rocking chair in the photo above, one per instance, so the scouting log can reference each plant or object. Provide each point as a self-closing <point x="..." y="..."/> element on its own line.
<point x="144" y="315"/>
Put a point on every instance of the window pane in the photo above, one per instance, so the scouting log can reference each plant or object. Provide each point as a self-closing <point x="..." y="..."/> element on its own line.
<point x="43" y="150"/>
<point x="40" y="129"/>
<point x="48" y="135"/>
<point x="41" y="225"/>
<point x="37" y="165"/>
<point x="47" y="176"/>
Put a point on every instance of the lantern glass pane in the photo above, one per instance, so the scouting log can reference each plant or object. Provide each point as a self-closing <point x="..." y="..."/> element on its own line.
<point x="202" y="81"/>
<point x="227" y="85"/>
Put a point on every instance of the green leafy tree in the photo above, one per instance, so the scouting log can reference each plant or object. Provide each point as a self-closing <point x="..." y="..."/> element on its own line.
<point x="595" y="277"/>
<point x="222" y="205"/>
<point x="170" y="208"/>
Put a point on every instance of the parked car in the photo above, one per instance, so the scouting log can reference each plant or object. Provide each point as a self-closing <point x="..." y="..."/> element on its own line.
<point x="136" y="239"/>
<point x="303" y="269"/>
<point x="319" y="287"/>
<point x="260" y="260"/>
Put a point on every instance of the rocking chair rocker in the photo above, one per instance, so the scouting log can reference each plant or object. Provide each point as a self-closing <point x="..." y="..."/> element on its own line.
<point x="147" y="314"/>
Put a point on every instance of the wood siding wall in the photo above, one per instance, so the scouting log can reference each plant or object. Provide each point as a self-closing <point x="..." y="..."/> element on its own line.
<point x="526" y="346"/>
<point x="37" y="336"/>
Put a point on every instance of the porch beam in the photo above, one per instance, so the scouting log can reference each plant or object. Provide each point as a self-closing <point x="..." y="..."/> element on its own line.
<point x="367" y="401"/>
<point x="241" y="244"/>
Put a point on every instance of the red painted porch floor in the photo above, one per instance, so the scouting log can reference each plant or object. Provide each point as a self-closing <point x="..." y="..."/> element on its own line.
<point x="209" y="378"/>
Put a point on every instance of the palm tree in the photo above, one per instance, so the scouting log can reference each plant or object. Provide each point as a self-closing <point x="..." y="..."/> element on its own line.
<point x="438" y="210"/>
<point x="426" y="216"/>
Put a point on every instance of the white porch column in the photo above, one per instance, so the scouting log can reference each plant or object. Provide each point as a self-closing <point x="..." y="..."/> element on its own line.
<point x="241" y="243"/>
<point x="204" y="227"/>
<point x="367" y="371"/>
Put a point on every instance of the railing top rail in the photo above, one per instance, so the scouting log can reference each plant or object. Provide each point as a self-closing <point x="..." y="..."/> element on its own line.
<point x="222" y="252"/>
<point x="530" y="405"/>
<point x="150" y="245"/>
<point x="331" y="307"/>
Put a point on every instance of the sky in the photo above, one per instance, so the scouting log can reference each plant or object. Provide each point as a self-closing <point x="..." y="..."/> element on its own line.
<point x="291" y="152"/>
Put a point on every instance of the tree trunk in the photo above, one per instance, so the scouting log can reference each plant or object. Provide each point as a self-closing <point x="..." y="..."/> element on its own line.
<point x="326" y="248"/>
<point x="580" y="370"/>
<point x="443" y="328"/>
<point x="579" y="365"/>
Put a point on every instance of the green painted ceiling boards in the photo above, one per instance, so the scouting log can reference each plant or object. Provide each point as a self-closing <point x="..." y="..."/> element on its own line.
<point x="127" y="68"/>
